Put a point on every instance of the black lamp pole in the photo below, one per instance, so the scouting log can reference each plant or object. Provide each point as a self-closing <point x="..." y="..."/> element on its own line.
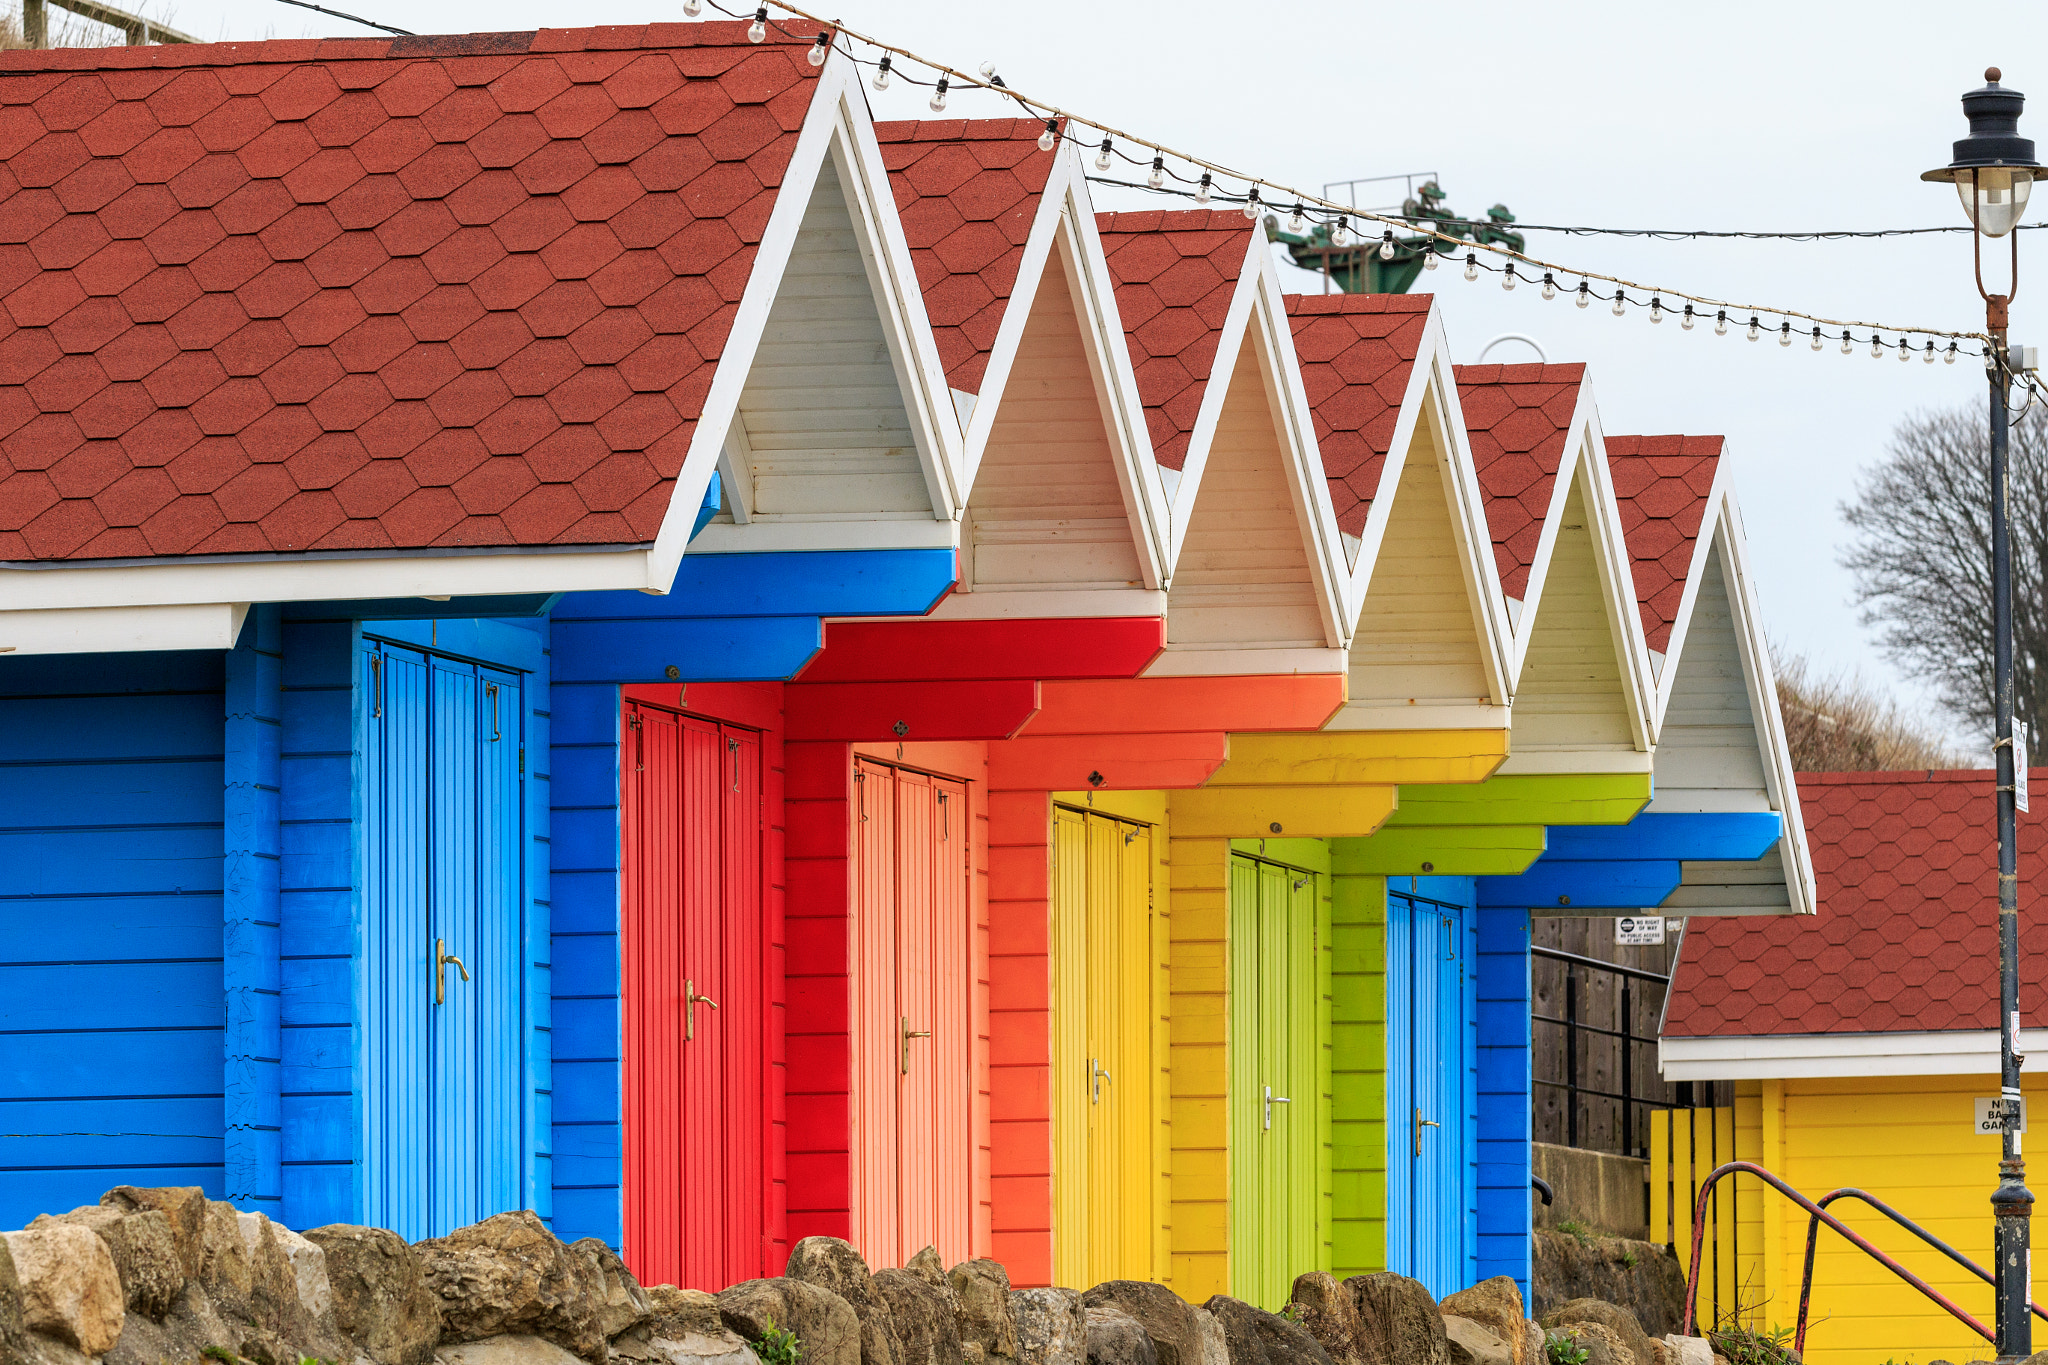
<point x="1993" y="171"/>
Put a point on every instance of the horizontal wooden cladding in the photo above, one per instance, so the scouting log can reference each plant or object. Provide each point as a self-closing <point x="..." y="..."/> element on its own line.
<point x="1302" y="812"/>
<point x="885" y="711"/>
<point x="1344" y="759"/>
<point x="939" y="651"/>
<point x="1137" y="762"/>
<point x="1162" y="705"/>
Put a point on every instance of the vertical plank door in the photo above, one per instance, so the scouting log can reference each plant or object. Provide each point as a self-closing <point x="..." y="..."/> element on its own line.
<point x="695" y="1014"/>
<point x="1427" y="1217"/>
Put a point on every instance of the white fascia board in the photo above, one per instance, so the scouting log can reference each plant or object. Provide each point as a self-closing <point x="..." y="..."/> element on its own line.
<point x="766" y="535"/>
<point x="317" y="578"/>
<point x="1203" y="435"/>
<point x="1578" y="761"/>
<point x="1002" y="356"/>
<point x="1958" y="1052"/>
<point x="1294" y="428"/>
<point x="1093" y="603"/>
<point x="1364" y="715"/>
<point x="1197" y="662"/>
<point x="119" y="630"/>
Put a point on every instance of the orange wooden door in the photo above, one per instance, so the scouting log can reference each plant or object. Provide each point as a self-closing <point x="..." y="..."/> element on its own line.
<point x="913" y="1003"/>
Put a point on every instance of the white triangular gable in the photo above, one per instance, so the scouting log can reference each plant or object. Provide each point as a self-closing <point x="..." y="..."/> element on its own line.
<point x="829" y="418"/>
<point x="1431" y="646"/>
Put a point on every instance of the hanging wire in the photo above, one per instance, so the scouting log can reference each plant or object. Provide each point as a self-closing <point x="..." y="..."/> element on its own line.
<point x="335" y="13"/>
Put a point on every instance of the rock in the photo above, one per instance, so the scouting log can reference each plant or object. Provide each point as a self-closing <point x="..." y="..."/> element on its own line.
<point x="622" y="1303"/>
<point x="509" y="1275"/>
<point x="1602" y="1344"/>
<point x="923" y="1316"/>
<point x="1052" y="1326"/>
<point x="826" y="1325"/>
<point x="1166" y="1317"/>
<point x="1497" y="1306"/>
<point x="225" y="1267"/>
<point x="275" y="1305"/>
<point x="1114" y="1337"/>
<point x="183" y="1205"/>
<point x="833" y="1264"/>
<point x="309" y="1269"/>
<point x="380" y="1294"/>
<point x="692" y="1310"/>
<point x="1642" y="1277"/>
<point x="1614" y="1318"/>
<point x="144" y="1249"/>
<point x="685" y="1329"/>
<point x="1252" y="1336"/>
<point x="1680" y="1350"/>
<point x="1471" y="1344"/>
<point x="1398" y="1322"/>
<point x="1215" y="1345"/>
<point x="1327" y="1312"/>
<point x="981" y="1295"/>
<point x="13" y="1329"/>
<point x="69" y="1287"/>
<point x="511" y="1349"/>
<point x="928" y="1266"/>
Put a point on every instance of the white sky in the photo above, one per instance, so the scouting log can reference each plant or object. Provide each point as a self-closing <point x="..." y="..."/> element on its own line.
<point x="1789" y="115"/>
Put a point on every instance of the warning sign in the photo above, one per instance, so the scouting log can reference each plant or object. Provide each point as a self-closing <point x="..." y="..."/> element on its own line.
<point x="2002" y="1116"/>
<point x="1641" y="931"/>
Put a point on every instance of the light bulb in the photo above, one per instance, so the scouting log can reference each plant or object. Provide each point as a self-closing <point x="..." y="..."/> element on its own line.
<point x="1297" y="220"/>
<point x="1785" y="333"/>
<point x="1905" y="350"/>
<point x="1549" y="287"/>
<point x="1656" y="309"/>
<point x="758" y="30"/>
<point x="1158" y="175"/>
<point x="1816" y="338"/>
<point x="1252" y="205"/>
<point x="882" y="74"/>
<point x="1387" y="245"/>
<point x="1050" y="136"/>
<point x="1203" y="190"/>
<point x="821" y="48"/>
<point x="1929" y="357"/>
<point x="692" y="8"/>
<point x="1949" y="356"/>
<point x="1620" y="303"/>
<point x="1340" y="235"/>
<point x="1721" y="323"/>
<point x="1507" y="279"/>
<point x="938" y="102"/>
<point x="1755" y="330"/>
<point x="1685" y="321"/>
<point x="1471" y="266"/>
<point x="1876" y="345"/>
<point x="1585" y="294"/>
<point x="1846" y="344"/>
<point x="1102" y="157"/>
<point x="988" y="71"/>
<point x="1429" y="258"/>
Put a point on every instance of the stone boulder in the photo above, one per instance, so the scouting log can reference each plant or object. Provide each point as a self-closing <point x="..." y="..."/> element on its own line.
<point x="144" y="1249"/>
<point x="510" y="1349"/>
<point x="510" y="1276"/>
<point x="1613" y="1317"/>
<point x="381" y="1299"/>
<point x="1166" y="1317"/>
<point x="1114" y="1337"/>
<point x="826" y="1326"/>
<point x="1398" y="1322"/>
<point x="833" y="1264"/>
<point x="1680" y="1350"/>
<point x="621" y="1304"/>
<point x="1326" y="1311"/>
<point x="13" y="1329"/>
<point x="1496" y="1305"/>
<point x="1052" y="1326"/>
<point x="981" y="1293"/>
<point x="923" y="1316"/>
<point x="1471" y="1344"/>
<point x="70" y="1290"/>
<point x="1643" y="1277"/>
<point x="927" y="1266"/>
<point x="1252" y="1336"/>
<point x="686" y="1329"/>
<point x="184" y="1206"/>
<point x="1602" y="1344"/>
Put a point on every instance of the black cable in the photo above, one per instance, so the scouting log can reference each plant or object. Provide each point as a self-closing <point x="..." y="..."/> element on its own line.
<point x="366" y="23"/>
<point x="1684" y="234"/>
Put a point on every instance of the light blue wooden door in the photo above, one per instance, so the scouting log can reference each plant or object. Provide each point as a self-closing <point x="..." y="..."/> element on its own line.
<point x="442" y="831"/>
<point x="1429" y="1218"/>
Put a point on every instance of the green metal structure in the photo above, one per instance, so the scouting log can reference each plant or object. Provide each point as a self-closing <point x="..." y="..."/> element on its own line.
<point x="1357" y="267"/>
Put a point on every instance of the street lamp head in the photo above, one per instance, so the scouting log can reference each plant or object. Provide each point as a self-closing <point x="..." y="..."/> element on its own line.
<point x="1993" y="168"/>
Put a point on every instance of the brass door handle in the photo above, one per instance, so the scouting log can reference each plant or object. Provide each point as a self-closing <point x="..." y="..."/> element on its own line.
<point x="903" y="1023"/>
<point x="1271" y="1100"/>
<point x="442" y="957"/>
<point x="1420" y="1124"/>
<point x="690" y="1002"/>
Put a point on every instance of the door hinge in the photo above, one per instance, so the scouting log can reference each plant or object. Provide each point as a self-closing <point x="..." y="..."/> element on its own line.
<point x="522" y="760"/>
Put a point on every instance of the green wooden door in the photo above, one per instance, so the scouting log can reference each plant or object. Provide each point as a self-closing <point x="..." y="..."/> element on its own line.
<point x="1274" y="1101"/>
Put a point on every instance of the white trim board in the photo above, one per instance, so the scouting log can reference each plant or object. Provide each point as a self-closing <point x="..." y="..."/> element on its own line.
<point x="1953" y="1052"/>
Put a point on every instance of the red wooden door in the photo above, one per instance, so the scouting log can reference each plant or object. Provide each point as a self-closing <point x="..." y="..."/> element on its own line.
<point x="913" y="994"/>
<point x="695" y="1007"/>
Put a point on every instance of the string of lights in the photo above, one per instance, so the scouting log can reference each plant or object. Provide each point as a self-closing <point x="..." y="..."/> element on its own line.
<point x="1691" y="234"/>
<point x="1201" y="176"/>
<point x="353" y="19"/>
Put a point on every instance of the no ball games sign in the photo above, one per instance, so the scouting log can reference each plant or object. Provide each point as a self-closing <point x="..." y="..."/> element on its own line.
<point x="2001" y="1116"/>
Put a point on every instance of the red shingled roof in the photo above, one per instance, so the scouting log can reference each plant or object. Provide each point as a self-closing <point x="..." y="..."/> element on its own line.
<point x="1516" y="417"/>
<point x="1662" y="484"/>
<point x="1175" y="274"/>
<point x="967" y="190"/>
<point x="1356" y="352"/>
<point x="1906" y="936"/>
<point x="353" y="294"/>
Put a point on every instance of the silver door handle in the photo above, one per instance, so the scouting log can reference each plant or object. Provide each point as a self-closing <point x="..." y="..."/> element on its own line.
<point x="442" y="957"/>
<point x="1420" y="1124"/>
<point x="690" y="1002"/>
<point x="1271" y="1100"/>
<point x="1097" y="1074"/>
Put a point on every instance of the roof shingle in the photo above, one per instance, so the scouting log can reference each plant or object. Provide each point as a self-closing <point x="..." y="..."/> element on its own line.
<point x="1662" y="484"/>
<point x="1516" y="417"/>
<point x="1356" y="352"/>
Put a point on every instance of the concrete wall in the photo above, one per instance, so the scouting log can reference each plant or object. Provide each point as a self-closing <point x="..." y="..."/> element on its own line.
<point x="1603" y="1193"/>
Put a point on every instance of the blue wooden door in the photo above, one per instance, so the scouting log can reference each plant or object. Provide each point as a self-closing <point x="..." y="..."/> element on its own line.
<point x="444" y="1142"/>
<point x="1429" y="1214"/>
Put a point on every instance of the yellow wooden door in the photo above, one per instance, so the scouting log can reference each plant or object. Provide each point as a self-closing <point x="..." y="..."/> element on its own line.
<point x="1103" y="1179"/>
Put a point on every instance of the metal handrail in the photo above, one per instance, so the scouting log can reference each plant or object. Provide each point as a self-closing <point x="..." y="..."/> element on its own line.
<point x="1849" y="1192"/>
<point x="1699" y="1227"/>
<point x="1559" y="955"/>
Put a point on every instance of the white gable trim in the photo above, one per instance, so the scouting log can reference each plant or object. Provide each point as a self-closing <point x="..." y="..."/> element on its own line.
<point x="97" y="630"/>
<point x="1956" y="1052"/>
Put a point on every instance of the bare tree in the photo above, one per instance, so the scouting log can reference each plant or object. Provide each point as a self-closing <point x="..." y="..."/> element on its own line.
<point x="1922" y="557"/>
<point x="1842" y="724"/>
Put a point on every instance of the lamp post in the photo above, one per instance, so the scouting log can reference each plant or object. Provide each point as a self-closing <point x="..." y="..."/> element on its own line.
<point x="1993" y="172"/>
